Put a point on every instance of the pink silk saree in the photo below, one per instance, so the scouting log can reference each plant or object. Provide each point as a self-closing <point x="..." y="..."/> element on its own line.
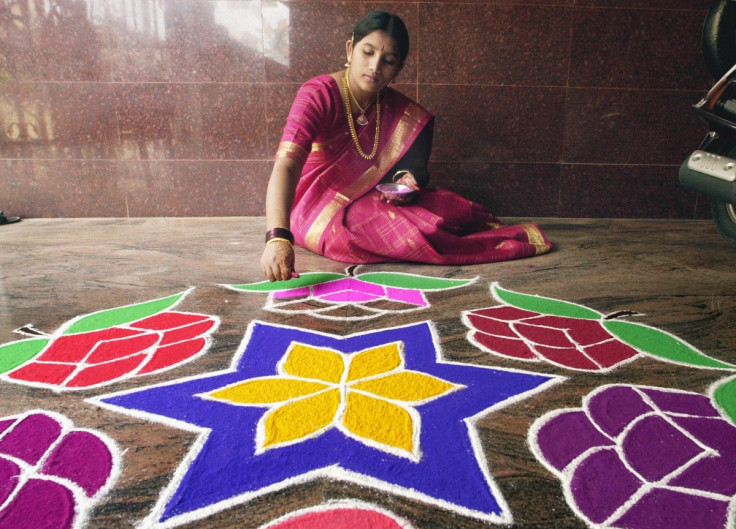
<point x="338" y="213"/>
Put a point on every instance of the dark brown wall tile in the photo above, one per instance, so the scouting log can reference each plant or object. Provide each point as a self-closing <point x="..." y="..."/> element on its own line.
<point x="505" y="189"/>
<point x="58" y="120"/>
<point x="62" y="188"/>
<point x="96" y="188"/>
<point x="637" y="48"/>
<point x="647" y="4"/>
<point x="195" y="189"/>
<point x="631" y="126"/>
<point x="493" y="123"/>
<point x="481" y="44"/>
<point x="189" y="40"/>
<point x="52" y="42"/>
<point x="192" y="121"/>
<point x="233" y="121"/>
<point x="506" y="2"/>
<point x="611" y="191"/>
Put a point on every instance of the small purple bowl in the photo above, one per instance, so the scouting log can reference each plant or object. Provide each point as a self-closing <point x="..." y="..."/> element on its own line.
<point x="398" y="192"/>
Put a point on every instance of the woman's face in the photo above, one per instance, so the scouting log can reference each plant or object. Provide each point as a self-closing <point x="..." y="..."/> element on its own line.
<point x="374" y="61"/>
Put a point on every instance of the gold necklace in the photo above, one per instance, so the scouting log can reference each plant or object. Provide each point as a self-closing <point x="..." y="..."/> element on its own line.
<point x="362" y="119"/>
<point x="349" y="115"/>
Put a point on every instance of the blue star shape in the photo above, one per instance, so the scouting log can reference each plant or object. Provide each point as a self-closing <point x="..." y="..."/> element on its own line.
<point x="223" y="469"/>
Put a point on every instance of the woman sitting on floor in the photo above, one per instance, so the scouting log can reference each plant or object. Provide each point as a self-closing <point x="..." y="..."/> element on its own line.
<point x="349" y="131"/>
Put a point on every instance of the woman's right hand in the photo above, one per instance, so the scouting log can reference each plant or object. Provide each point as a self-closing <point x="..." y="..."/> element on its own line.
<point x="277" y="261"/>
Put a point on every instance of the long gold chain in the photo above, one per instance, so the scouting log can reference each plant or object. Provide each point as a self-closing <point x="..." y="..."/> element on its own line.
<point x="352" y="97"/>
<point x="351" y="124"/>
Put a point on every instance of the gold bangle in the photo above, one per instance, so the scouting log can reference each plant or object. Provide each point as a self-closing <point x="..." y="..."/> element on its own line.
<point x="279" y="239"/>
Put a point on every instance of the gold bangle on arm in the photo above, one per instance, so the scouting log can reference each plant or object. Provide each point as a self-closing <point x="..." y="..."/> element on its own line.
<point x="279" y="239"/>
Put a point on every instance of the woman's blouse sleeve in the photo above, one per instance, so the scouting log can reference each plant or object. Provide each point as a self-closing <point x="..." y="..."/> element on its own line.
<point x="306" y="119"/>
<point x="416" y="158"/>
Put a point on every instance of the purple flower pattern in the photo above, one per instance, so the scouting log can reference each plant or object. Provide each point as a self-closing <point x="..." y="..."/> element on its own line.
<point x="643" y="458"/>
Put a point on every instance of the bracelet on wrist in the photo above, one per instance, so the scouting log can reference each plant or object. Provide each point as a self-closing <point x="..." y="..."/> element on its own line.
<point x="279" y="239"/>
<point x="280" y="233"/>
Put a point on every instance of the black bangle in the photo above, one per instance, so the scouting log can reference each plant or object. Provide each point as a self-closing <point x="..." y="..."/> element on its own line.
<point x="280" y="233"/>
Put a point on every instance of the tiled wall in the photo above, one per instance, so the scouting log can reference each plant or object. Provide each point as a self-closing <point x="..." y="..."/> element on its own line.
<point x="567" y="108"/>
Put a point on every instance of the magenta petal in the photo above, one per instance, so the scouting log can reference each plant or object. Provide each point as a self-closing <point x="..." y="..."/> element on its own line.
<point x="9" y="473"/>
<point x="601" y="484"/>
<point x="674" y="510"/>
<point x="407" y="295"/>
<point x="348" y="289"/>
<point x="566" y="436"/>
<point x="615" y="407"/>
<point x="40" y="504"/>
<point x="655" y="448"/>
<point x="348" y="296"/>
<point x="83" y="458"/>
<point x="30" y="438"/>
<point x="299" y="292"/>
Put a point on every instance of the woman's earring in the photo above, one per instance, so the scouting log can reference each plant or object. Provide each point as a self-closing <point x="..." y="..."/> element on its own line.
<point x="347" y="64"/>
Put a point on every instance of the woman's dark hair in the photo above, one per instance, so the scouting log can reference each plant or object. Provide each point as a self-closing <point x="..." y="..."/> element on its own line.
<point x="383" y="21"/>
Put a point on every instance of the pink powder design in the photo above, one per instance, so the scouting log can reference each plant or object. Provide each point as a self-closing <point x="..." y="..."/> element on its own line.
<point x="344" y="518"/>
<point x="407" y="295"/>
<point x="353" y="290"/>
<point x="291" y="293"/>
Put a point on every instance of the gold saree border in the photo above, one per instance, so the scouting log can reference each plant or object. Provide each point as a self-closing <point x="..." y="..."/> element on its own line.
<point x="390" y="154"/>
<point x="536" y="238"/>
<point x="289" y="149"/>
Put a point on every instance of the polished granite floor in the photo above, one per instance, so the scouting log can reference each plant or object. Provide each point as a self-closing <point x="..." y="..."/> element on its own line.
<point x="678" y="274"/>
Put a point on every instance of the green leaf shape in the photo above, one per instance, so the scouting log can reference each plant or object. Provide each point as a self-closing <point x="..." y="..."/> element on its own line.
<point x="14" y="354"/>
<point x="304" y="280"/>
<point x="725" y="397"/>
<point x="400" y="280"/>
<point x="121" y="315"/>
<point x="542" y="305"/>
<point x="661" y="344"/>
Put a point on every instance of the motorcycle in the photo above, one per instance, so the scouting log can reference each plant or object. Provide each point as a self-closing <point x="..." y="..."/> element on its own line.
<point x="711" y="169"/>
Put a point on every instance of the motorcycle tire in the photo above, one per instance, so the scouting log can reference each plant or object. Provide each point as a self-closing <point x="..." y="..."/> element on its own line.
<point x="719" y="37"/>
<point x="724" y="215"/>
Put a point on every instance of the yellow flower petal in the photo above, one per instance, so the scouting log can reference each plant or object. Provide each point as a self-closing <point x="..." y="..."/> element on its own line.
<point x="267" y="390"/>
<point x="305" y="361"/>
<point x="381" y="422"/>
<point x="299" y="419"/>
<point x="406" y="386"/>
<point x="374" y="361"/>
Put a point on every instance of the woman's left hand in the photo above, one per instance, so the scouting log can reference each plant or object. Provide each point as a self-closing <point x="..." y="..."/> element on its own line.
<point x="408" y="180"/>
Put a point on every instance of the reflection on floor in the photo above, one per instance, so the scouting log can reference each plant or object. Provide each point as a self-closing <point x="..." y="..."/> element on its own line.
<point x="150" y="380"/>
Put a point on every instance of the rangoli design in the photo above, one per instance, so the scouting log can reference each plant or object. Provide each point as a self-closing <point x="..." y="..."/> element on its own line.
<point x="381" y="409"/>
<point x="107" y="346"/>
<point x="340" y="515"/>
<point x="644" y="458"/>
<point x="535" y="328"/>
<point x="52" y="474"/>
<point x="350" y="297"/>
